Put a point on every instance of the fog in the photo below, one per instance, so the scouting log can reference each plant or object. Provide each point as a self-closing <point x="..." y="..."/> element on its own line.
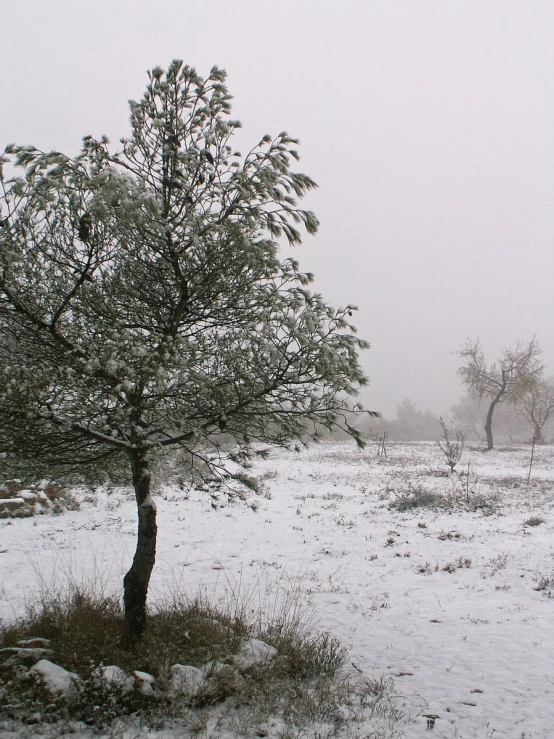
<point x="428" y="125"/>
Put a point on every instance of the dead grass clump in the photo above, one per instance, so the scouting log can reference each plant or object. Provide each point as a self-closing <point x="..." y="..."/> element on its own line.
<point x="301" y="682"/>
<point x="533" y="521"/>
<point x="306" y="657"/>
<point x="459" y="564"/>
<point x="192" y="632"/>
<point x="82" y="628"/>
<point x="418" y="497"/>
<point x="86" y="630"/>
<point x="486" y="504"/>
<point x="495" y="564"/>
<point x="545" y="585"/>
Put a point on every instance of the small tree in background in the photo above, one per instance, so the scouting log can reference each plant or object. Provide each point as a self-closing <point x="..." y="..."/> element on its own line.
<point x="143" y="305"/>
<point x="412" y="424"/>
<point x="452" y="444"/>
<point x="536" y="406"/>
<point x="515" y="373"/>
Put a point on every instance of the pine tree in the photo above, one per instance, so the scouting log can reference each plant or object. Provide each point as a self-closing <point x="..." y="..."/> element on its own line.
<point x="144" y="306"/>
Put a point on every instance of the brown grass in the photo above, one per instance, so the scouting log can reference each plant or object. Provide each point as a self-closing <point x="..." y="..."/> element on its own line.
<point x="87" y="630"/>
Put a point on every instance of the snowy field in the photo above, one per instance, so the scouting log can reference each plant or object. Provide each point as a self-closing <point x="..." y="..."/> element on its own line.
<point x="444" y="601"/>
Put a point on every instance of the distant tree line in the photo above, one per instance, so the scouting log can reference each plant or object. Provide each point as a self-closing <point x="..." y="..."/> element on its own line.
<point x="511" y="423"/>
<point x="509" y="400"/>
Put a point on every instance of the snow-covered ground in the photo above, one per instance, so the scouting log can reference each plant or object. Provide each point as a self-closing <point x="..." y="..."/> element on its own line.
<point x="472" y="643"/>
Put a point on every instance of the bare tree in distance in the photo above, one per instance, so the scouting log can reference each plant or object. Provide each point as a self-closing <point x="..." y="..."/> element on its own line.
<point x="144" y="306"/>
<point x="516" y="372"/>
<point x="536" y="406"/>
<point x="453" y="441"/>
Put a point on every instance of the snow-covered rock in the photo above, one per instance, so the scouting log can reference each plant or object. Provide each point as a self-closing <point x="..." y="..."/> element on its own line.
<point x="252" y="652"/>
<point x="10" y="488"/>
<point x="34" y="643"/>
<point x="186" y="680"/>
<point x="55" y="679"/>
<point x="53" y="491"/>
<point x="11" y="504"/>
<point x="114" y="675"/>
<point x="145" y="683"/>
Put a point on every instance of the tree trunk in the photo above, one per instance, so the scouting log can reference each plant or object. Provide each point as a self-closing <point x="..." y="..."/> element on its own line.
<point x="488" y="424"/>
<point x="135" y="582"/>
<point x="538" y="433"/>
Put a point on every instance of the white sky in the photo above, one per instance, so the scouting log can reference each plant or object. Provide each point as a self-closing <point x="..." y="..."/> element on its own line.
<point x="428" y="125"/>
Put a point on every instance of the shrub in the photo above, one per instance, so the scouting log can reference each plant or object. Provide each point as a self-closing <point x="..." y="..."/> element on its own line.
<point x="452" y="444"/>
<point x="418" y="497"/>
<point x="458" y="564"/>
<point x="533" y="521"/>
<point x="545" y="585"/>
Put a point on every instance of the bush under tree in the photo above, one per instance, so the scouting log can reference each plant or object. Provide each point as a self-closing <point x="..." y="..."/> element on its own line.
<point x="144" y="306"/>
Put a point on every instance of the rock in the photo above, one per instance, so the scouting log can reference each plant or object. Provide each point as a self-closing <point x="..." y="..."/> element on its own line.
<point x="11" y="504"/>
<point x="253" y="652"/>
<point x="28" y="496"/>
<point x="56" y="680"/>
<point x="34" y="643"/>
<point x="26" y="655"/>
<point x="34" y="718"/>
<point x="25" y="512"/>
<point x="43" y="499"/>
<point x="114" y="675"/>
<point x="11" y="487"/>
<point x="186" y="680"/>
<point x="144" y="683"/>
<point x="53" y="492"/>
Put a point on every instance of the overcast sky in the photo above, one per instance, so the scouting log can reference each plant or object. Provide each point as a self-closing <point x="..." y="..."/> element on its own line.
<point x="428" y="125"/>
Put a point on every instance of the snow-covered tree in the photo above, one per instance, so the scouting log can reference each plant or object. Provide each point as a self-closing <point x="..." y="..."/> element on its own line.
<point x="144" y="306"/>
<point x="515" y="373"/>
<point x="536" y="406"/>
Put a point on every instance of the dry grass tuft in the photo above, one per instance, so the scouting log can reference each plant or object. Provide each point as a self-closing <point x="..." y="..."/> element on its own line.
<point x="86" y="630"/>
<point x="419" y="497"/>
<point x="533" y="521"/>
